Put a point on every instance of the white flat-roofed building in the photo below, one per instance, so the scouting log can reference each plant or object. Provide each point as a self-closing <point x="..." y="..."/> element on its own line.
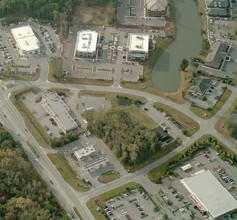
<point x="210" y="195"/>
<point x="27" y="42"/>
<point x="59" y="111"/>
<point x="156" y="8"/>
<point x="86" y="44"/>
<point x="138" y="46"/>
<point x="187" y="167"/>
<point x="84" y="152"/>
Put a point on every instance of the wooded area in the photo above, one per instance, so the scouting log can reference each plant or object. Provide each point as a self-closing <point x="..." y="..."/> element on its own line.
<point x="23" y="195"/>
<point x="131" y="142"/>
<point x="41" y="9"/>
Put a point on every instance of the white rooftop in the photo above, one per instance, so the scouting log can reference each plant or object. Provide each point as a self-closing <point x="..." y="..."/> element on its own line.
<point x="25" y="38"/>
<point x="138" y="43"/>
<point x="156" y="5"/>
<point x="211" y="194"/>
<point x="84" y="152"/>
<point x="60" y="110"/>
<point x="86" y="41"/>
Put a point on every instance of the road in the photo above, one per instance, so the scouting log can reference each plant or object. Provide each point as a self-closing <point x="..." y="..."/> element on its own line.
<point x="66" y="195"/>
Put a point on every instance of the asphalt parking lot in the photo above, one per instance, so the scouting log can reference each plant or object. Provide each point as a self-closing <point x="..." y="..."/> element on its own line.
<point x="212" y="96"/>
<point x="27" y="65"/>
<point x="132" y="12"/>
<point x="131" y="205"/>
<point x="221" y="29"/>
<point x="174" y="191"/>
<point x="110" y="62"/>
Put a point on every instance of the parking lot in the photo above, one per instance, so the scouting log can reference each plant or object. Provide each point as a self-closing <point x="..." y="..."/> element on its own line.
<point x="222" y="29"/>
<point x="132" y="12"/>
<point x="131" y="205"/>
<point x="212" y="95"/>
<point x="111" y="61"/>
<point x="175" y="197"/>
<point x="12" y="62"/>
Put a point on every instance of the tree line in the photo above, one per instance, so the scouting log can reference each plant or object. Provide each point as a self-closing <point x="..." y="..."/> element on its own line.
<point x="23" y="195"/>
<point x="40" y="9"/>
<point x="131" y="142"/>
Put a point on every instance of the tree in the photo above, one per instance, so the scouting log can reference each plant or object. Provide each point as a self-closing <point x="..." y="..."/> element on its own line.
<point x="184" y="64"/>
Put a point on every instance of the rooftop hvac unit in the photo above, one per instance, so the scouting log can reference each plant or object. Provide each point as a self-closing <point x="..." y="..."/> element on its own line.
<point x="140" y="37"/>
<point x="139" y="46"/>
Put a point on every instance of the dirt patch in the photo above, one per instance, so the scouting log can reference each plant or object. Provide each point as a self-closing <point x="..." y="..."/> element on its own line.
<point x="108" y="177"/>
<point x="92" y="15"/>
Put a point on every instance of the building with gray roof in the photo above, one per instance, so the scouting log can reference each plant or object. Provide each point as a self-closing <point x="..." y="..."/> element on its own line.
<point x="221" y="12"/>
<point x="59" y="111"/>
<point x="217" y="3"/>
<point x="209" y="195"/>
<point x="202" y="85"/>
<point x="217" y="55"/>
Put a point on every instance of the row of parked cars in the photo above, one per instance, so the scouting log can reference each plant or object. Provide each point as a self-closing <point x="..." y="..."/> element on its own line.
<point x="225" y="177"/>
<point x="175" y="123"/>
<point x="49" y="40"/>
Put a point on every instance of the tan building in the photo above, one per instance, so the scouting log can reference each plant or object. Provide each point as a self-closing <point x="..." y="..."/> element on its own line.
<point x="156" y="8"/>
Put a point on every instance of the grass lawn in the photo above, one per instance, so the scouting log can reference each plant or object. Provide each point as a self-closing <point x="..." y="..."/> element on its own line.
<point x="163" y="151"/>
<point x="135" y="111"/>
<point x="67" y="172"/>
<point x="233" y="106"/>
<point x="186" y="122"/>
<point x="108" y="176"/>
<point x="222" y="127"/>
<point x="202" y="113"/>
<point x="100" y="200"/>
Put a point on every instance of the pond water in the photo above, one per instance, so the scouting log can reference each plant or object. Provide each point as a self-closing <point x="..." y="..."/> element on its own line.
<point x="165" y="73"/>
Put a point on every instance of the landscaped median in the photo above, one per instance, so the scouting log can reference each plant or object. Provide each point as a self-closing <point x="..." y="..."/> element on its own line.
<point x="68" y="174"/>
<point x="202" y="113"/>
<point x="188" y="125"/>
<point x="157" y="174"/>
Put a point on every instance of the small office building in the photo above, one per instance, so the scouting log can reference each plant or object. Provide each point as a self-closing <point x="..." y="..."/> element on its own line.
<point x="138" y="46"/>
<point x="86" y="44"/>
<point x="27" y="43"/>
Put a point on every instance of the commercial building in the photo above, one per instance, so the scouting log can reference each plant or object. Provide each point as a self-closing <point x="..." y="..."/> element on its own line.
<point x="217" y="55"/>
<point x="138" y="46"/>
<point x="156" y="8"/>
<point x="162" y="134"/>
<point x="221" y="12"/>
<point x="85" y="152"/>
<point x="201" y="86"/>
<point x="86" y="44"/>
<point x="27" y="42"/>
<point x="217" y="3"/>
<point x="59" y="111"/>
<point x="209" y="195"/>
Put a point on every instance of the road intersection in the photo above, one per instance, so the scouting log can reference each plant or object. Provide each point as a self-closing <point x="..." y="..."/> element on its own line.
<point x="66" y="195"/>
